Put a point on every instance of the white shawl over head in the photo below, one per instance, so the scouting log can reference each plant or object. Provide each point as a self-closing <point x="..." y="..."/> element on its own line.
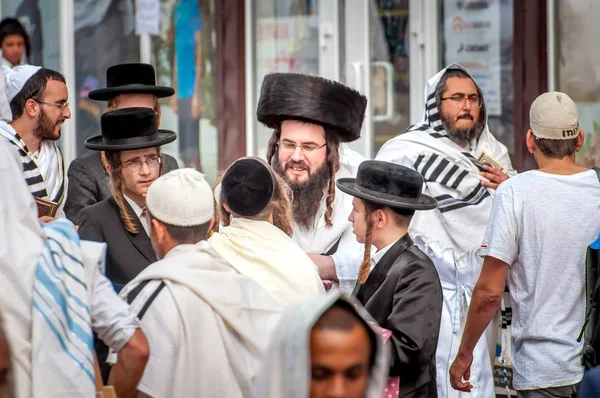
<point x="286" y="367"/>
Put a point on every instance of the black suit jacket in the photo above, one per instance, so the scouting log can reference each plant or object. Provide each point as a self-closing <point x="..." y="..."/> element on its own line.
<point x="128" y="254"/>
<point x="88" y="183"/>
<point x="403" y="294"/>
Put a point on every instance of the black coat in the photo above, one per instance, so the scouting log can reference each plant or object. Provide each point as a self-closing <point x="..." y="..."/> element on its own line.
<point x="404" y="295"/>
<point x="88" y="183"/>
<point x="128" y="254"/>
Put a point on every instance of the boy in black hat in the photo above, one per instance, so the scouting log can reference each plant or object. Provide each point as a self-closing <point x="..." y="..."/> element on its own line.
<point x="398" y="285"/>
<point x="128" y="85"/>
<point x="132" y="143"/>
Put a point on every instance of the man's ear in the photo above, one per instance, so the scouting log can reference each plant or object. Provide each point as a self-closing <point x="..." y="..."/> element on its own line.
<point x="580" y="140"/>
<point x="380" y="218"/>
<point x="158" y="230"/>
<point x="226" y="208"/>
<point x="212" y="223"/>
<point x="31" y="108"/>
<point x="530" y="141"/>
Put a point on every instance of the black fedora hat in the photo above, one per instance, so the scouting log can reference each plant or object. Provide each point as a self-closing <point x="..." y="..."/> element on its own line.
<point x="128" y="129"/>
<point x="130" y="79"/>
<point x="388" y="184"/>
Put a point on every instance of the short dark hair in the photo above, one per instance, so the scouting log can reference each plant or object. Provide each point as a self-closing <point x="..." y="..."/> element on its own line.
<point x="12" y="26"/>
<point x="556" y="149"/>
<point x="185" y="235"/>
<point x="341" y="316"/>
<point x="33" y="88"/>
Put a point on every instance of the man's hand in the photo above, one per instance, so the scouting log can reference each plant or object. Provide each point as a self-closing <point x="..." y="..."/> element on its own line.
<point x="325" y="265"/>
<point x="495" y="177"/>
<point x="461" y="370"/>
<point x="46" y="219"/>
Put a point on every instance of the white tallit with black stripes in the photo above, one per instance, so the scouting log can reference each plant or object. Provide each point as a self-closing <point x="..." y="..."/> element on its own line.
<point x="44" y="173"/>
<point x="452" y="234"/>
<point x="450" y="171"/>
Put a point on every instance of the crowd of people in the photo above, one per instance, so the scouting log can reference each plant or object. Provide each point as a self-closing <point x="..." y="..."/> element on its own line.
<point x="313" y="273"/>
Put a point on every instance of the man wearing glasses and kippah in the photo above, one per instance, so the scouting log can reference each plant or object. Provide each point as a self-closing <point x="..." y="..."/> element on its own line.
<point x="39" y="104"/>
<point x="452" y="148"/>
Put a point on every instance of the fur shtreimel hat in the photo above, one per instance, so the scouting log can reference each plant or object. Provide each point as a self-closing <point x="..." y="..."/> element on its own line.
<point x="285" y="96"/>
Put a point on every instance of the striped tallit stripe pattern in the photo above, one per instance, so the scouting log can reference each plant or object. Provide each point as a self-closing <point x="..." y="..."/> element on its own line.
<point x="436" y="168"/>
<point x="62" y="316"/>
<point x="33" y="177"/>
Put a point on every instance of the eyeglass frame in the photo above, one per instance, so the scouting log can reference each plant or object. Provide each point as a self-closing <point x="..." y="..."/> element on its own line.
<point x="129" y="165"/>
<point x="303" y="149"/>
<point x="464" y="99"/>
<point x="62" y="107"/>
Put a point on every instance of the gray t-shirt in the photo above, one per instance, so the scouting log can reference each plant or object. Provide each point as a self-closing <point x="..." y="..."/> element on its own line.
<point x="541" y="225"/>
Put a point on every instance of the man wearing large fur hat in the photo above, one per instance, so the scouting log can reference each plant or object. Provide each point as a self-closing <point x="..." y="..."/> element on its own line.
<point x="444" y="149"/>
<point x="312" y="118"/>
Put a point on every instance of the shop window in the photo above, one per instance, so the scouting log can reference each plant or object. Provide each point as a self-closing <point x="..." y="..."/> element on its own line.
<point x="577" y="67"/>
<point x="479" y="36"/>
<point x="183" y="56"/>
<point x="104" y="36"/>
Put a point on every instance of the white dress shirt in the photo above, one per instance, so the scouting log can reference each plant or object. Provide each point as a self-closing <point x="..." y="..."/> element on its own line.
<point x="378" y="255"/>
<point x="138" y="212"/>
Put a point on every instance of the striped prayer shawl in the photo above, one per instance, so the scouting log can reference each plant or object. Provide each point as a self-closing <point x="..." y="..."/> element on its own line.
<point x="63" y="360"/>
<point x="31" y="171"/>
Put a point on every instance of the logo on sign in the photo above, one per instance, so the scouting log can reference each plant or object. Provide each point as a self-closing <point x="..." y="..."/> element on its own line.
<point x="459" y="24"/>
<point x="473" y="48"/>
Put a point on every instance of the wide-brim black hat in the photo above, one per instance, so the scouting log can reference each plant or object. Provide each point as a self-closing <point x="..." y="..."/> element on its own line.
<point x="388" y="184"/>
<point x="292" y="96"/>
<point x="128" y="129"/>
<point x="130" y="79"/>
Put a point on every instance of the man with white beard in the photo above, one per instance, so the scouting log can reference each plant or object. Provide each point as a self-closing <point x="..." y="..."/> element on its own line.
<point x="312" y="118"/>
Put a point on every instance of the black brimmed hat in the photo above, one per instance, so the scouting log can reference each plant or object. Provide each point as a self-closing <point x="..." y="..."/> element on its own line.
<point x="313" y="99"/>
<point x="130" y="79"/>
<point x="388" y="184"/>
<point x="128" y="129"/>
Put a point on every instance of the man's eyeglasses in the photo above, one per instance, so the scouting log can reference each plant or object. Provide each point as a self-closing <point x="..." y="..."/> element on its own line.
<point x="460" y="99"/>
<point x="61" y="105"/>
<point x="136" y="165"/>
<point x="290" y="146"/>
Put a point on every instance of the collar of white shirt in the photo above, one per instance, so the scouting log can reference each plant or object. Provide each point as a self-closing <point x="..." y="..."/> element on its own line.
<point x="375" y="258"/>
<point x="138" y="212"/>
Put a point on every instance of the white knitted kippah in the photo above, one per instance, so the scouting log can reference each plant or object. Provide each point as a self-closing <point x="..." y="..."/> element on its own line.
<point x="15" y="78"/>
<point x="554" y="116"/>
<point x="181" y="198"/>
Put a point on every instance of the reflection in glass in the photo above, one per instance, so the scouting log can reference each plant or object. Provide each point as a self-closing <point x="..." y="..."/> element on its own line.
<point x="183" y="55"/>
<point x="104" y="36"/>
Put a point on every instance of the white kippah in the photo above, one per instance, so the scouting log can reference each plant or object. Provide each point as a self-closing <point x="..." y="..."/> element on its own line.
<point x="554" y="116"/>
<point x="181" y="198"/>
<point x="15" y="78"/>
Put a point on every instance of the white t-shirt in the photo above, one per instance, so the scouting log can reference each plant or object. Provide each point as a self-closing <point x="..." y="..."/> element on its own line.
<point x="541" y="225"/>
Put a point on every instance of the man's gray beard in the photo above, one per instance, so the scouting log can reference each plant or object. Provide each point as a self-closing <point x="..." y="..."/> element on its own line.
<point x="306" y="201"/>
<point x="463" y="136"/>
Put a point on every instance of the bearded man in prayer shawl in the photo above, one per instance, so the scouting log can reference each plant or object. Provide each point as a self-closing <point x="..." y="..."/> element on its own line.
<point x="207" y="324"/>
<point x="324" y="347"/>
<point x="53" y="293"/>
<point x="39" y="102"/>
<point x="443" y="148"/>
<point x="311" y="118"/>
